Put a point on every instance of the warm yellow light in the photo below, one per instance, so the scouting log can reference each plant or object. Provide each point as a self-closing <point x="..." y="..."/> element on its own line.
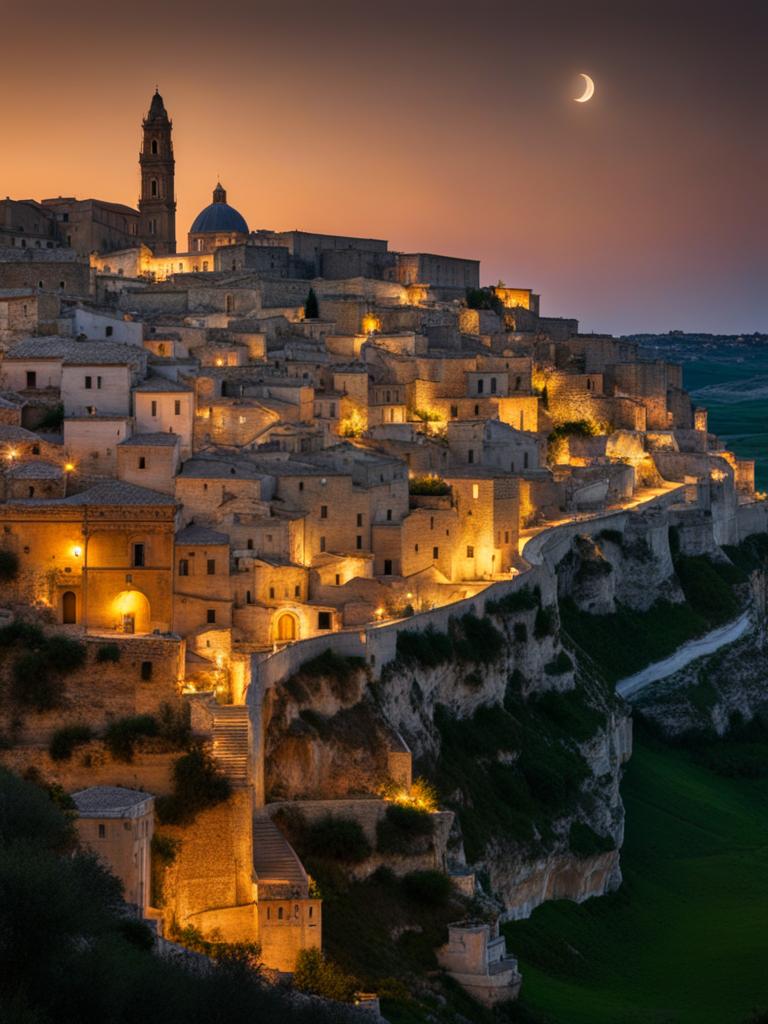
<point x="371" y="324"/>
<point x="69" y="467"/>
<point x="219" y="362"/>
<point x="128" y="602"/>
<point x="12" y="453"/>
<point x="77" y="551"/>
<point x="379" y="613"/>
<point x="409" y="595"/>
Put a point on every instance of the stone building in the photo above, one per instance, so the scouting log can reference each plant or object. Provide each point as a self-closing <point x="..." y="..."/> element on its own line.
<point x="157" y="201"/>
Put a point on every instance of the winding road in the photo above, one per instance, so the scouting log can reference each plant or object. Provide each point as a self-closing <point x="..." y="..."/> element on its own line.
<point x="698" y="648"/>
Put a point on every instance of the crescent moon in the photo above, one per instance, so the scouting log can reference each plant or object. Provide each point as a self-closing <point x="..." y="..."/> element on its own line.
<point x="589" y="89"/>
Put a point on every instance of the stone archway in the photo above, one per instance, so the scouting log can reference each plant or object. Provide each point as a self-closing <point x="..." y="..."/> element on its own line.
<point x="286" y="627"/>
<point x="132" y="612"/>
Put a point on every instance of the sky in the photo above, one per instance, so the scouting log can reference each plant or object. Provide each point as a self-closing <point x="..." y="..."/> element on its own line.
<point x="442" y="127"/>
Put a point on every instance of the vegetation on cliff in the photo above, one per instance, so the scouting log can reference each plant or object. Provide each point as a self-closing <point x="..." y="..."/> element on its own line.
<point x="684" y="939"/>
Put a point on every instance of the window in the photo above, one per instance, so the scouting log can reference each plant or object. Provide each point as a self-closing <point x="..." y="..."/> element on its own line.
<point x="88" y="383"/>
<point x="183" y="567"/>
<point x="108" y="332"/>
<point x="323" y="511"/>
<point x="146" y="671"/>
<point x="153" y="408"/>
<point x="470" y="455"/>
<point x="454" y="411"/>
<point x="35" y="449"/>
<point x="211" y="568"/>
<point x="205" y="264"/>
<point x="297" y="590"/>
<point x="98" y="382"/>
<point x="210" y="616"/>
<point x="525" y="460"/>
<point x="518" y="382"/>
<point x="301" y="485"/>
<point x="480" y="385"/>
<point x="332" y="410"/>
<point x="359" y="518"/>
<point x="389" y="515"/>
<point x="493" y="385"/>
<point x="506" y="536"/>
<point x="338" y="579"/>
<point x="102" y="831"/>
<point x="431" y="522"/>
<point x="435" y="552"/>
<point x="61" y="285"/>
<point x="322" y="543"/>
<point x="470" y="551"/>
<point x="475" y="491"/>
<point x="358" y="542"/>
<point x="248" y="598"/>
<point x="31" y="379"/>
<point x="387" y="566"/>
<point x="153" y="187"/>
<point x="142" y="462"/>
<point x="279" y="913"/>
<point x="177" y="407"/>
<point x="272" y="593"/>
<point x="416" y="548"/>
<point x="323" y="620"/>
<point x="138" y="555"/>
<point x="477" y="410"/>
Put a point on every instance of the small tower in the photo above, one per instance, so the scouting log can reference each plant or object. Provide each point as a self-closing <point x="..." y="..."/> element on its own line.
<point x="157" y="202"/>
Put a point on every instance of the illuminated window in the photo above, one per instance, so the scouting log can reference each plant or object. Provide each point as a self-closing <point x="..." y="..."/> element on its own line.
<point x="475" y="491"/>
<point x="470" y="551"/>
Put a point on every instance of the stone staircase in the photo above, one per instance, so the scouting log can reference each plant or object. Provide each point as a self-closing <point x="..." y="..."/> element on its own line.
<point x="231" y="742"/>
<point x="274" y="859"/>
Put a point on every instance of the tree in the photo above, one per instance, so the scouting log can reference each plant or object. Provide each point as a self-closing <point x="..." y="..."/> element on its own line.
<point x="311" y="307"/>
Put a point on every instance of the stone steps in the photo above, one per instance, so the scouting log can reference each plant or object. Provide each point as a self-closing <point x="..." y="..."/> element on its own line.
<point x="231" y="742"/>
<point x="273" y="856"/>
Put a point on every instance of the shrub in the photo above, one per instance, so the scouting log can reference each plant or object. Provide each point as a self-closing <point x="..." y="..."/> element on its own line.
<point x="426" y="647"/>
<point x="545" y="622"/>
<point x="559" y="665"/>
<point x="431" y="485"/>
<point x="121" y="735"/>
<point x="331" y="664"/>
<point x="65" y="740"/>
<point x="196" y="785"/>
<point x="137" y="934"/>
<point x="520" y="632"/>
<point x="337" y="838"/>
<point x="32" y="685"/>
<point x="318" y="976"/>
<point x="613" y="536"/>
<point x="585" y="842"/>
<point x="311" y="306"/>
<point x="9" y="566"/>
<point x="165" y="848"/>
<point x="480" y="640"/>
<point x="53" y="419"/>
<point x="430" y="887"/>
<point x="705" y="589"/>
<point x="21" y="632"/>
<point x="108" y="652"/>
<point x="403" y="829"/>
<point x="64" y="653"/>
<point x="517" y="601"/>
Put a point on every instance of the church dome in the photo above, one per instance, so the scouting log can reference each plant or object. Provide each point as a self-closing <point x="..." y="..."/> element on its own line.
<point x="219" y="217"/>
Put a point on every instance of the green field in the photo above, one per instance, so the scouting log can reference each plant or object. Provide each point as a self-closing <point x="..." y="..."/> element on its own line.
<point x="685" y="940"/>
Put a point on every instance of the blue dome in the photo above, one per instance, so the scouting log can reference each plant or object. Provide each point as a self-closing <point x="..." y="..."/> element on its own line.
<point x="219" y="217"/>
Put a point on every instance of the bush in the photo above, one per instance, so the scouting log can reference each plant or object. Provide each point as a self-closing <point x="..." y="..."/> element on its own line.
<point x="197" y="785"/>
<point x="64" y="653"/>
<point x="403" y="830"/>
<point x="614" y="536"/>
<point x="518" y="601"/>
<point x="121" y="735"/>
<point x="32" y="685"/>
<point x="53" y="419"/>
<point x="430" y="887"/>
<point x="708" y="594"/>
<point x="545" y="622"/>
<point x="21" y="632"/>
<point x="337" y="838"/>
<point x="430" y="485"/>
<point x="311" y="306"/>
<point x="318" y="976"/>
<point x="585" y="842"/>
<point x="426" y="647"/>
<point x="520" y="632"/>
<point x="65" y="740"/>
<point x="479" y="641"/>
<point x="559" y="665"/>
<point x="108" y="652"/>
<point x="9" y="566"/>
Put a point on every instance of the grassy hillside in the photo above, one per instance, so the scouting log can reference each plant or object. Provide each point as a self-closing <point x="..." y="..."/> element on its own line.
<point x="684" y="941"/>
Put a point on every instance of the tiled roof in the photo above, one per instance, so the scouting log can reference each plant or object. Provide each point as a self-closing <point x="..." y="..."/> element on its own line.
<point x="161" y="384"/>
<point x="200" y="535"/>
<point x="73" y="352"/>
<point x="37" y="470"/>
<point x="10" y="432"/>
<point x="110" y="802"/>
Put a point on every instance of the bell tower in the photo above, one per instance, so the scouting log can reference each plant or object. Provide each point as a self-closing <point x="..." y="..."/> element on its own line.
<point x="157" y="202"/>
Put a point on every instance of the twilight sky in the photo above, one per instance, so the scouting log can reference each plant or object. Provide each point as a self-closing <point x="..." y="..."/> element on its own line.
<point x="442" y="127"/>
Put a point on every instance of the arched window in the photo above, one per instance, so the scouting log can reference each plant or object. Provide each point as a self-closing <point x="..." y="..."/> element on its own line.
<point x="68" y="607"/>
<point x="153" y="187"/>
<point x="154" y="146"/>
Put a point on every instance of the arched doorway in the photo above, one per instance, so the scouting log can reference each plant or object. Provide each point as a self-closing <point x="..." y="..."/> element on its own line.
<point x="286" y="628"/>
<point x="132" y="612"/>
<point x="69" y="607"/>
